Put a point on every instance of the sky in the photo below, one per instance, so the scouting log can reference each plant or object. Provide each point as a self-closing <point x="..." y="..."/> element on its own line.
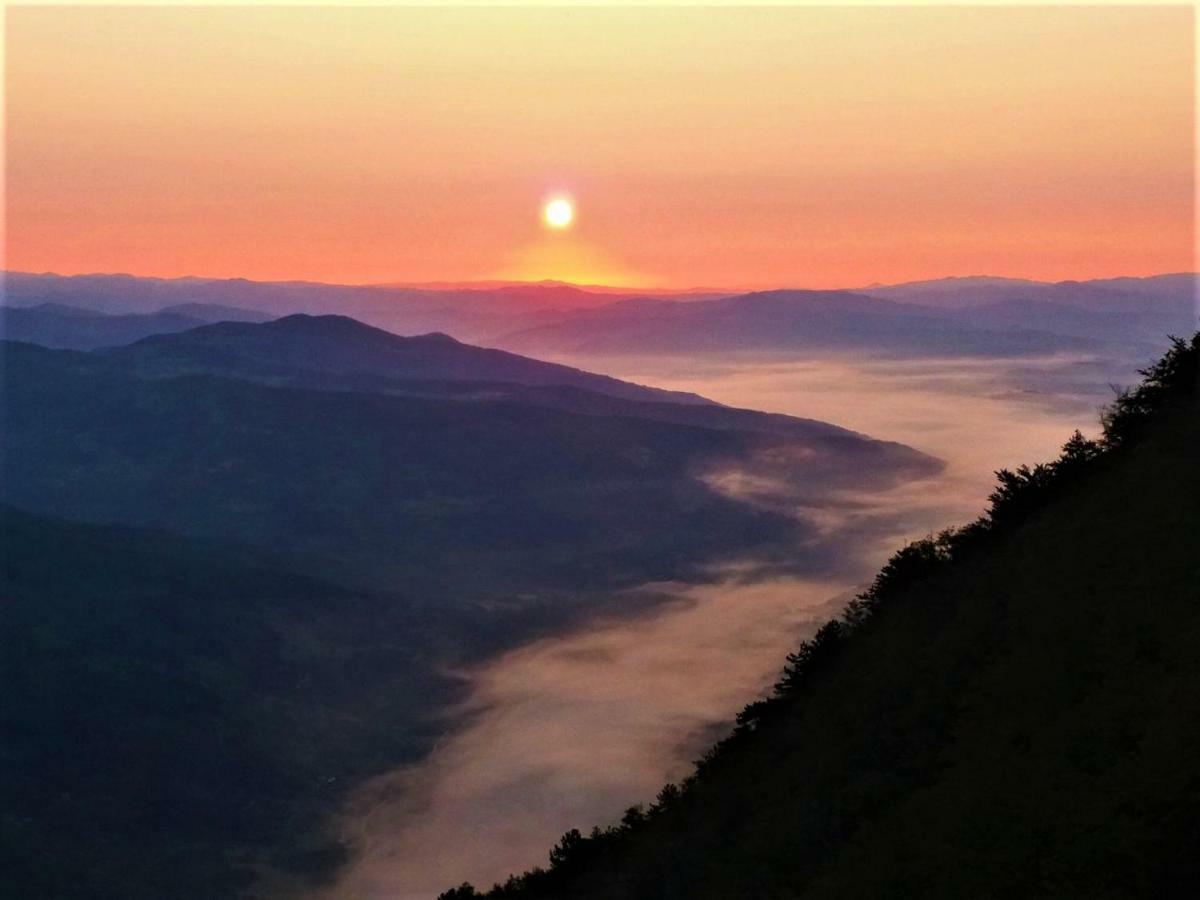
<point x="701" y="147"/>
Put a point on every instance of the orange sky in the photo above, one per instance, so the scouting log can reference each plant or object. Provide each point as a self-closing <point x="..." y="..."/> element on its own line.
<point x="822" y="146"/>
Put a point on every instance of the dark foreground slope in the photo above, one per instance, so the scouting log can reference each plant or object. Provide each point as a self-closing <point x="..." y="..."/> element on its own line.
<point x="175" y="713"/>
<point x="182" y="719"/>
<point x="1012" y="710"/>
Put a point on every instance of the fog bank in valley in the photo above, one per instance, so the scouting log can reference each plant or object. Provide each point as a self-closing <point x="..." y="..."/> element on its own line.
<point x="570" y="730"/>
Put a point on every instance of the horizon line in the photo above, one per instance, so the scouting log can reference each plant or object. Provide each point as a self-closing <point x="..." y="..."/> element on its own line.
<point x="494" y="284"/>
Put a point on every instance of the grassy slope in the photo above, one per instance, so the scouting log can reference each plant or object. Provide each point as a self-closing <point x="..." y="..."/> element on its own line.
<point x="1012" y="711"/>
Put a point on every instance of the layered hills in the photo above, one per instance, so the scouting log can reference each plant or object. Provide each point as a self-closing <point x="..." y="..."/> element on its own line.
<point x="242" y="561"/>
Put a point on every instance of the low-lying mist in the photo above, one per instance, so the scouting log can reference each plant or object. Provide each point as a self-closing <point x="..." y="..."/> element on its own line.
<point x="570" y="730"/>
<point x="976" y="414"/>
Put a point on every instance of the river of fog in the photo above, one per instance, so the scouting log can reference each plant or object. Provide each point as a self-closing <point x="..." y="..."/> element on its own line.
<point x="568" y="731"/>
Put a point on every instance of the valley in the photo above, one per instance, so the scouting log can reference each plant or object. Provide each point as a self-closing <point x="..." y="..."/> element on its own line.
<point x="481" y="598"/>
<point x="570" y="730"/>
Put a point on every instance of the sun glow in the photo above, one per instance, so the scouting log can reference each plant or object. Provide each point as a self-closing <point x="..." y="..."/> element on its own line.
<point x="1013" y="172"/>
<point x="558" y="213"/>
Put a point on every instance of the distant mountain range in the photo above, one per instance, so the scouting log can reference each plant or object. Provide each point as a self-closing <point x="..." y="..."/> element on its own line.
<point x="469" y="313"/>
<point x="1175" y="292"/>
<point x="948" y="317"/>
<point x="74" y="328"/>
<point x="780" y="322"/>
<point x="954" y="317"/>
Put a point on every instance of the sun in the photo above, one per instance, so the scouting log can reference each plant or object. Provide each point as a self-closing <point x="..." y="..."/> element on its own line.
<point x="558" y="213"/>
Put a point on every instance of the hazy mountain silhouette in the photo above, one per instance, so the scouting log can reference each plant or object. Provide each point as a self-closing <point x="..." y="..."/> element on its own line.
<point x="1118" y="310"/>
<point x="305" y="434"/>
<point x="1009" y="711"/>
<point x="973" y="316"/>
<point x="977" y="315"/>
<point x="1173" y="293"/>
<point x="334" y="352"/>
<point x="468" y="312"/>
<point x="302" y="345"/>
<point x="55" y="325"/>
<point x="217" y="312"/>
<point x="781" y="321"/>
<point x="120" y="294"/>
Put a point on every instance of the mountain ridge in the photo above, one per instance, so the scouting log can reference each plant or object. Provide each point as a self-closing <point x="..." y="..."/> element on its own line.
<point x="336" y="343"/>
<point x="490" y="468"/>
<point x="493" y="314"/>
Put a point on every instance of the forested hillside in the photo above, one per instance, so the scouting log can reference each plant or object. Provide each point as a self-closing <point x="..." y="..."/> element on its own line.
<point x="1011" y="710"/>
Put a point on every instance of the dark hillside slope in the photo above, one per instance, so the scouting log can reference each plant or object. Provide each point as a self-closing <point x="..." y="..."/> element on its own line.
<point x="176" y="713"/>
<point x="1012" y="710"/>
<point x="400" y="490"/>
<point x="343" y="354"/>
<point x="183" y="719"/>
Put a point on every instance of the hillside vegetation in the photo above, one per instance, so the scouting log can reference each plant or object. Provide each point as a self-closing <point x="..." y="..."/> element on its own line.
<point x="1011" y="710"/>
